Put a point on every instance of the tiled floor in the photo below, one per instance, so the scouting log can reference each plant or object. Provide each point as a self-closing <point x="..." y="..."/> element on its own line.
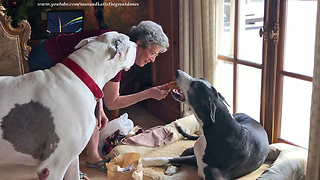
<point x="137" y="114"/>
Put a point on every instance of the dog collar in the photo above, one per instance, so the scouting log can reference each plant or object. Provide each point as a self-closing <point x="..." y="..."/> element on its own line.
<point x="86" y="79"/>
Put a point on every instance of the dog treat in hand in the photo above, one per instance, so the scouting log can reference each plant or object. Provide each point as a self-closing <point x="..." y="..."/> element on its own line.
<point x="171" y="85"/>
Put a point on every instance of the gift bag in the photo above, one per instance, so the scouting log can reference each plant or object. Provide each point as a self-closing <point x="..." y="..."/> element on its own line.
<point x="126" y="166"/>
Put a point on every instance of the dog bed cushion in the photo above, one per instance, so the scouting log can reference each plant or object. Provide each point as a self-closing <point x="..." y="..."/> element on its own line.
<point x="185" y="172"/>
<point x="189" y="124"/>
<point x="290" y="163"/>
<point x="284" y="162"/>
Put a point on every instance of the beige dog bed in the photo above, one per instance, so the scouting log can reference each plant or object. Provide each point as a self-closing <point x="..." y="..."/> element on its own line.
<point x="284" y="162"/>
<point x="189" y="124"/>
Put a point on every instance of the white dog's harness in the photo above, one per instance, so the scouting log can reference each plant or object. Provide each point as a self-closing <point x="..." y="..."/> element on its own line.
<point x="84" y="76"/>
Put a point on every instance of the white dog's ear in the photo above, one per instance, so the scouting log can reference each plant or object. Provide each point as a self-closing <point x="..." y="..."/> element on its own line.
<point x="119" y="47"/>
<point x="85" y="41"/>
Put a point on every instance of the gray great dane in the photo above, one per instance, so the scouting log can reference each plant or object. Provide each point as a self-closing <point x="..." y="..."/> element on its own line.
<point x="47" y="117"/>
<point x="231" y="145"/>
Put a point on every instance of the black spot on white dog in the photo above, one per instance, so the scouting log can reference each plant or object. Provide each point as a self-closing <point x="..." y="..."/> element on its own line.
<point x="30" y="129"/>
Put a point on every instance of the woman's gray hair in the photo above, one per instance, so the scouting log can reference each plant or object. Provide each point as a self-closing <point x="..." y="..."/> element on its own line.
<point x="149" y="33"/>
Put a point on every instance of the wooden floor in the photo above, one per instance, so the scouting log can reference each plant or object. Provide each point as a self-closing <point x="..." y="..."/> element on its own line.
<point x="139" y="116"/>
<point x="137" y="113"/>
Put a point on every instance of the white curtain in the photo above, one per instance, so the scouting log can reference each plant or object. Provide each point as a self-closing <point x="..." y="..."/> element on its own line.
<point x="197" y="39"/>
<point x="313" y="167"/>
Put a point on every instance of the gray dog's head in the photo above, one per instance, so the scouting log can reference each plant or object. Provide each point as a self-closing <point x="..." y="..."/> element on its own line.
<point x="199" y="94"/>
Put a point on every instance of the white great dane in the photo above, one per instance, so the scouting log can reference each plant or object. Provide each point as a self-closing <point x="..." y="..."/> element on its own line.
<point x="47" y="117"/>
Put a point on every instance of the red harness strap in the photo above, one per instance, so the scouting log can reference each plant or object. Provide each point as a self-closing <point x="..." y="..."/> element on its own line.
<point x="86" y="79"/>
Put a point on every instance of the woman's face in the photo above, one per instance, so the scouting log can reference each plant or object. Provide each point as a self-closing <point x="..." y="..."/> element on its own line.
<point x="146" y="55"/>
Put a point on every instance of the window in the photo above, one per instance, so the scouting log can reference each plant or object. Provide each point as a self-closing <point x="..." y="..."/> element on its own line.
<point x="239" y="64"/>
<point x="268" y="77"/>
<point x="296" y="71"/>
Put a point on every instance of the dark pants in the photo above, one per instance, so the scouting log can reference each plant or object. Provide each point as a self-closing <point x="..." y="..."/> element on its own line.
<point x="38" y="58"/>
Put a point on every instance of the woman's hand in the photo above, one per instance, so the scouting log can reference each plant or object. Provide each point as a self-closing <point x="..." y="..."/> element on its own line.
<point x="158" y="93"/>
<point x="102" y="118"/>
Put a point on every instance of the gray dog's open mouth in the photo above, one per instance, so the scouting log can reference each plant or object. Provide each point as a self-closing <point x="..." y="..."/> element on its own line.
<point x="178" y="94"/>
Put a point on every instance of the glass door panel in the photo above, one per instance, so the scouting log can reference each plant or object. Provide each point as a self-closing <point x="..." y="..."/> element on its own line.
<point x="288" y="71"/>
<point x="224" y="80"/>
<point x="249" y="91"/>
<point x="300" y="36"/>
<point x="298" y="59"/>
<point x="295" y="116"/>
<point x="251" y="13"/>
<point x="226" y="28"/>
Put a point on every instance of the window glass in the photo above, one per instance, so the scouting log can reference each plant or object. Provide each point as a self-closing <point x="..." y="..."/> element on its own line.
<point x="249" y="91"/>
<point x="300" y="37"/>
<point x="295" y="116"/>
<point x="224" y="80"/>
<point x="250" y="21"/>
<point x="226" y="28"/>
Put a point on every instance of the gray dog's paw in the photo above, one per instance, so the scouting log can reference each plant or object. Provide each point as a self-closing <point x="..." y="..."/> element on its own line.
<point x="171" y="170"/>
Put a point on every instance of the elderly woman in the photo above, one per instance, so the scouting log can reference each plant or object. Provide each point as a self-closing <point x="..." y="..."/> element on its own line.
<point x="150" y="40"/>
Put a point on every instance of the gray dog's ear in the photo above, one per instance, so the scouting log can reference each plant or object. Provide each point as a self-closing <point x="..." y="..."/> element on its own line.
<point x="119" y="47"/>
<point x="223" y="99"/>
<point x="85" y="41"/>
<point x="212" y="108"/>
